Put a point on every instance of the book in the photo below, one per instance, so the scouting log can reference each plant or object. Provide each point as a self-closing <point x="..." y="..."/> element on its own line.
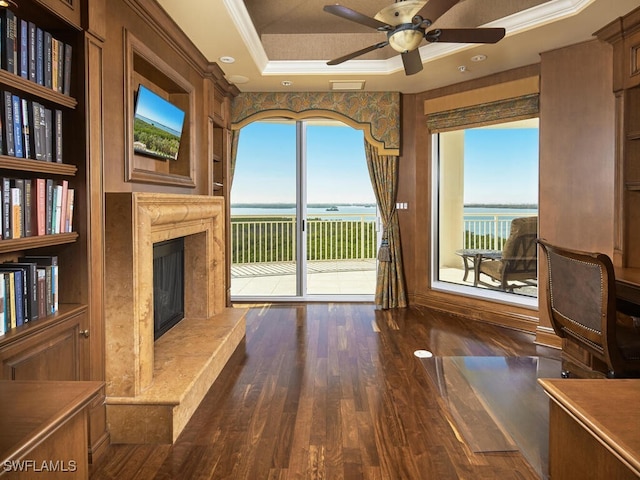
<point x="31" y="287"/>
<point x="23" y="51"/>
<point x="17" y="125"/>
<point x="26" y="208"/>
<point x="60" y="67"/>
<point x="6" y="207"/>
<point x="10" y="299"/>
<point x="50" y="265"/>
<point x="36" y="131"/>
<point x="8" y="26"/>
<point x="54" y="63"/>
<point x="26" y="131"/>
<point x="57" y="213"/>
<point x="62" y="221"/>
<point x="57" y="136"/>
<point x="48" y="132"/>
<point x="32" y="51"/>
<point x="49" y="205"/>
<point x="66" y="80"/>
<point x="39" y="56"/>
<point x="16" y="212"/>
<point x="3" y="321"/>
<point x="7" y="123"/>
<point x="42" y="292"/>
<point x="16" y="289"/>
<point x="69" y="216"/>
<point x="47" y="59"/>
<point x="38" y="206"/>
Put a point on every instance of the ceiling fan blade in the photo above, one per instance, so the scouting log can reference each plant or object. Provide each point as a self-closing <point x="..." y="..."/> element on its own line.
<point x="412" y="62"/>
<point x="349" y="56"/>
<point x="434" y="9"/>
<point x="357" y="17"/>
<point x="466" y="35"/>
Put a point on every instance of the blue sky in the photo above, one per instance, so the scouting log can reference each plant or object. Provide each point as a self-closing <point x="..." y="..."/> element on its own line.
<point x="501" y="165"/>
<point x="336" y="169"/>
<point x="153" y="107"/>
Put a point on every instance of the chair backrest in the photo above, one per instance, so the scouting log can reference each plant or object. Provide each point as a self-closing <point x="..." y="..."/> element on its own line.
<point x="520" y="251"/>
<point x="582" y="300"/>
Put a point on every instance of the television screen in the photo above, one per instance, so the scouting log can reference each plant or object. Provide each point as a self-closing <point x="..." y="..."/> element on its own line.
<point x="157" y="126"/>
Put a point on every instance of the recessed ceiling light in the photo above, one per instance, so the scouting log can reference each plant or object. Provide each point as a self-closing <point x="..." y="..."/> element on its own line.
<point x="287" y="83"/>
<point x="479" y="58"/>
<point x="423" y="354"/>
<point x="227" y="59"/>
<point x="462" y="68"/>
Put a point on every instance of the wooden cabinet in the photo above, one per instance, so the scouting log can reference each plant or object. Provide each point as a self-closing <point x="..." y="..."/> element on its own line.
<point x="44" y="429"/>
<point x="65" y="345"/>
<point x="624" y="35"/>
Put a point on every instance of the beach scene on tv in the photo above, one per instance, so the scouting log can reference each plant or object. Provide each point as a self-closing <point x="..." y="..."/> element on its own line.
<point x="157" y="126"/>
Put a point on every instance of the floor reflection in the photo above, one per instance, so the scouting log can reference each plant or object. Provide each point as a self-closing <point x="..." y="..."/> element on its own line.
<point x="496" y="403"/>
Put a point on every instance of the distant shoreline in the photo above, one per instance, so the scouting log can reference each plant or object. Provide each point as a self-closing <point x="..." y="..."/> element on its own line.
<point x="326" y="205"/>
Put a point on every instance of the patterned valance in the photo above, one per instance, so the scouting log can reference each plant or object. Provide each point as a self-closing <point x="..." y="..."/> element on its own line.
<point x="526" y="106"/>
<point x="376" y="113"/>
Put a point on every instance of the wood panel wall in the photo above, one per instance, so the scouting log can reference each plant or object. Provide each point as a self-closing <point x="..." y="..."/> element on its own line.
<point x="577" y="170"/>
<point x="577" y="151"/>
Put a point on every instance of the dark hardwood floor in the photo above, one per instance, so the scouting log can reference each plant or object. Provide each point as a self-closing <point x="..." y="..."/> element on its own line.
<point x="332" y="391"/>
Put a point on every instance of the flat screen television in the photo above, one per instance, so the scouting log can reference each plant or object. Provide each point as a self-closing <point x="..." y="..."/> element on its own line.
<point x="157" y="126"/>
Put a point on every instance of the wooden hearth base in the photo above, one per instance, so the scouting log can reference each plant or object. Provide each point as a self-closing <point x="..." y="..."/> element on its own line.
<point x="188" y="359"/>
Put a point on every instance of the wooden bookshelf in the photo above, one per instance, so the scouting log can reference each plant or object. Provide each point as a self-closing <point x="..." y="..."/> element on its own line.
<point x="66" y="345"/>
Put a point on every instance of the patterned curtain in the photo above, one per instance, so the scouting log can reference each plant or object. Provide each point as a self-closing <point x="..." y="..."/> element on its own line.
<point x="390" y="284"/>
<point x="235" y="138"/>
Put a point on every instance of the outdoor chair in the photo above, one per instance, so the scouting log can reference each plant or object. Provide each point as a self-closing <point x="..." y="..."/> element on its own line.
<point x="518" y="264"/>
<point x="582" y="306"/>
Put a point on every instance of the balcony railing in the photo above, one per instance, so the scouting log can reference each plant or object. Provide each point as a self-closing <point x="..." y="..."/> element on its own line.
<point x="258" y="239"/>
<point x="488" y="230"/>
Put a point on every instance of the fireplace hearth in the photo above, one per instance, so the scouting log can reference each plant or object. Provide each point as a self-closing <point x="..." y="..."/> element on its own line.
<point x="154" y="386"/>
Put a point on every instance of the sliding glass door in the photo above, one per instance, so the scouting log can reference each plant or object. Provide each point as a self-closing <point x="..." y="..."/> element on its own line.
<point x="303" y="216"/>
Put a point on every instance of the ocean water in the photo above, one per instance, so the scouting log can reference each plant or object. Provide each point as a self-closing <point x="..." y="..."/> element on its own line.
<point x="347" y="211"/>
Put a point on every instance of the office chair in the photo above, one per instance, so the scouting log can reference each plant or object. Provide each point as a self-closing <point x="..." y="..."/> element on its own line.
<point x="582" y="305"/>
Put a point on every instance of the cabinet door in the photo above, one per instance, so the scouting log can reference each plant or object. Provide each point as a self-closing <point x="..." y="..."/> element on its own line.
<point x="51" y="354"/>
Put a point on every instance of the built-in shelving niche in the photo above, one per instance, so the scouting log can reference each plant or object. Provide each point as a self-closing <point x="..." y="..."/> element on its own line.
<point x="145" y="67"/>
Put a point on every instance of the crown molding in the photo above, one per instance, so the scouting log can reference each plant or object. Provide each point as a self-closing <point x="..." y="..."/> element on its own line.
<point x="537" y="16"/>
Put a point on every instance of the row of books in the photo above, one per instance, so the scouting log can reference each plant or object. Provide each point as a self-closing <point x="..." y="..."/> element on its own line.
<point x="28" y="129"/>
<point x="35" y="206"/>
<point x="28" y="290"/>
<point x="34" y="54"/>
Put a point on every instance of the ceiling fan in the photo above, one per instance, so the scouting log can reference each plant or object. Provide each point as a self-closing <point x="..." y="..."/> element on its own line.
<point x="405" y="23"/>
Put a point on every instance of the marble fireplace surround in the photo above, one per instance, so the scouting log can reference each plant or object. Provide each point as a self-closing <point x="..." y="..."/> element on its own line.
<point x="154" y="387"/>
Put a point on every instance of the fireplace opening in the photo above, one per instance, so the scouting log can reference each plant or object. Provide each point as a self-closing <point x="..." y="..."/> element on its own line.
<point x="168" y="285"/>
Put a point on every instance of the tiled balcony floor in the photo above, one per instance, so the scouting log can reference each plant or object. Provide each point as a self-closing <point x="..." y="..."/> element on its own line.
<point x="341" y="277"/>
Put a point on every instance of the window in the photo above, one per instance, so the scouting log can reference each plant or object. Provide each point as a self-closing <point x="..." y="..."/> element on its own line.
<point x="486" y="208"/>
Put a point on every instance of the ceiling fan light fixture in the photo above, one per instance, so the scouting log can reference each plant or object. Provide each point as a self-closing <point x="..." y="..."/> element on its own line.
<point x="8" y="3"/>
<point x="405" y="40"/>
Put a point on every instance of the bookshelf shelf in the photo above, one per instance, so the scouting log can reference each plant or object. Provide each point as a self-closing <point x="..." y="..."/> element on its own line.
<point x="27" y="243"/>
<point x="36" y="166"/>
<point x="23" y="85"/>
<point x="65" y="311"/>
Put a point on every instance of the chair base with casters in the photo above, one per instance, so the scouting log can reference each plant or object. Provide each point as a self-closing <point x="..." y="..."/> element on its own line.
<point x="581" y="300"/>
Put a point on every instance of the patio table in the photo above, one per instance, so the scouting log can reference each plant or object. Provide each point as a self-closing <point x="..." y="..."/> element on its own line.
<point x="472" y="257"/>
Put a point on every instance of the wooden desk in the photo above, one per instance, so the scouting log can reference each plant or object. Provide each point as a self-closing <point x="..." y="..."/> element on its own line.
<point x="594" y="428"/>
<point x="628" y="284"/>
<point x="44" y="430"/>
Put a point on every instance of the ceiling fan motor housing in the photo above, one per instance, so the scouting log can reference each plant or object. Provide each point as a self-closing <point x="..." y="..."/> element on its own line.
<point x="405" y="37"/>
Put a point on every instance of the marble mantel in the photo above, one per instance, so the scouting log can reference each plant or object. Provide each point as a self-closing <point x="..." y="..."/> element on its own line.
<point x="154" y="387"/>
